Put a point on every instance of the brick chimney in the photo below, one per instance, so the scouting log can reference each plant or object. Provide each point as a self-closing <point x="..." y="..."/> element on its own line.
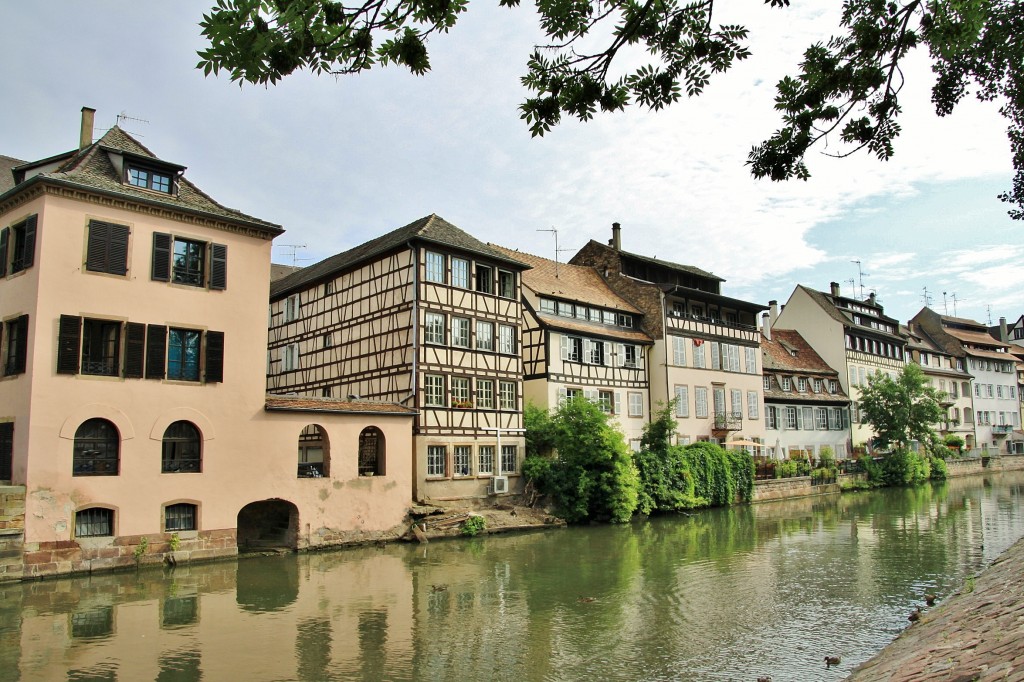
<point x="616" y="242"/>
<point x="834" y="287"/>
<point x="88" y="122"/>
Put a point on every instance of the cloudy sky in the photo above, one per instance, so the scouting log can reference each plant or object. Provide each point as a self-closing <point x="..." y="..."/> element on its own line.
<point x="339" y="161"/>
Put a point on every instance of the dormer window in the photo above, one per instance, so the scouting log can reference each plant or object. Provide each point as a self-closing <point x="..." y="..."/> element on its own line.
<point x="786" y="384"/>
<point x="801" y="384"/>
<point x="150" y="178"/>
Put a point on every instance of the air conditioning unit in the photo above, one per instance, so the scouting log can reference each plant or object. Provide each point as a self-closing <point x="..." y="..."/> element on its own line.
<point x="499" y="484"/>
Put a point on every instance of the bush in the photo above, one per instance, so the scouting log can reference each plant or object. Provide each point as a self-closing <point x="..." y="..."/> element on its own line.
<point x="939" y="470"/>
<point x="474" y="525"/>
<point x="826" y="458"/>
<point x="903" y="467"/>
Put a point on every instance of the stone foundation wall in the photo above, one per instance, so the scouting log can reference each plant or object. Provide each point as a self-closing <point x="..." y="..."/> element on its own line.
<point x="798" y="486"/>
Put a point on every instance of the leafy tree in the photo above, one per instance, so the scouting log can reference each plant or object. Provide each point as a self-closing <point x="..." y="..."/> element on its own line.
<point x="900" y="410"/>
<point x="593" y="476"/>
<point x="665" y="480"/>
<point x="848" y="87"/>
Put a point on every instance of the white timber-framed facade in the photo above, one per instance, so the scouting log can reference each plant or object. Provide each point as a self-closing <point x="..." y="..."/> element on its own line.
<point x="425" y="316"/>
<point x="706" y="354"/>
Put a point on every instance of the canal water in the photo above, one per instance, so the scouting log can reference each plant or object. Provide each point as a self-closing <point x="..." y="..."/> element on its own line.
<point x="731" y="594"/>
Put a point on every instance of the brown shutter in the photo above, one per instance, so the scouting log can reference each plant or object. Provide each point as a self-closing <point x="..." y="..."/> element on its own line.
<point x="214" y="357"/>
<point x="156" y="351"/>
<point x="219" y="266"/>
<point x="161" y="257"/>
<point x="3" y="251"/>
<point x="21" y="351"/>
<point x="134" y="350"/>
<point x="30" y="242"/>
<point x="69" y="334"/>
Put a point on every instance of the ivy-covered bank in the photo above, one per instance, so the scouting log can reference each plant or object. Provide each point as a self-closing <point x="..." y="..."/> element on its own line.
<point x="583" y="464"/>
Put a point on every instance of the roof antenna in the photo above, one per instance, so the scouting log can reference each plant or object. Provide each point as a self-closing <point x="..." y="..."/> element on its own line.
<point x="123" y="116"/>
<point x="860" y="275"/>
<point x="926" y="297"/>
<point x="557" y="250"/>
<point x="295" y="251"/>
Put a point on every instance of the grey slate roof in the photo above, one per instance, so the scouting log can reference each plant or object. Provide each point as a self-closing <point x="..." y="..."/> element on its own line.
<point x="7" y="165"/>
<point x="90" y="169"/>
<point x="432" y="229"/>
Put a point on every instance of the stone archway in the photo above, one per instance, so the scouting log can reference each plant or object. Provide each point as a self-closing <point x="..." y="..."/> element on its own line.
<point x="268" y="524"/>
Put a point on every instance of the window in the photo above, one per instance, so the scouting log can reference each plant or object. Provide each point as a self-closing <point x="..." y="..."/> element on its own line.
<point x="700" y="397"/>
<point x="179" y="517"/>
<point x="572" y="348"/>
<point x="835" y="418"/>
<point x="435" y="267"/>
<point x="463" y="457"/>
<point x="484" y="335"/>
<point x="437" y="456"/>
<point x="507" y="395"/>
<point x="698" y="353"/>
<point x="682" y="401"/>
<point x="853" y="376"/>
<point x="506" y="339"/>
<point x="787" y="384"/>
<point x="608" y="317"/>
<point x="486" y="465"/>
<point x="16" y="349"/>
<point x="801" y="384"/>
<point x="484" y="279"/>
<point x="485" y="394"/>
<point x="433" y="328"/>
<point x="822" y="423"/>
<point x="460" y="273"/>
<point x="792" y="420"/>
<point x="371" y="452"/>
<point x="833" y="386"/>
<point x="547" y="306"/>
<point x="291" y="308"/>
<point x="595" y="352"/>
<point x="605" y="400"/>
<point x="460" y="332"/>
<point x="509" y="459"/>
<point x="460" y="393"/>
<point x="767" y="381"/>
<point x="771" y="416"/>
<point x="184" y="261"/>
<point x="679" y="351"/>
<point x="625" y="320"/>
<point x="149" y="178"/>
<point x="751" y="360"/>
<point x="716" y="355"/>
<point x="433" y="390"/>
<point x="107" y="248"/>
<point x="565" y="309"/>
<point x="290" y="357"/>
<point x="328" y="288"/>
<point x="629" y="358"/>
<point x="182" y="449"/>
<point x="736" y="402"/>
<point x="183" y="351"/>
<point x="808" y="418"/>
<point x="101" y="344"/>
<point x="94" y="523"/>
<point x="18" y="246"/>
<point x="506" y="284"/>
<point x="313" y="453"/>
<point x="752" y="410"/>
<point x="97" y="449"/>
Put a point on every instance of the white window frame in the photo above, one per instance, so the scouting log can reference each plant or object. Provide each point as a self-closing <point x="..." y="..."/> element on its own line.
<point x="679" y="351"/>
<point x="434" y="267"/>
<point x="461" y="332"/>
<point x="700" y="407"/>
<point x="433" y="390"/>
<point x="437" y="461"/>
<point x="485" y="394"/>
<point x="752" y="403"/>
<point x="507" y="395"/>
<point x="506" y="339"/>
<point x="485" y="457"/>
<point x="433" y="328"/>
<point x="460" y="272"/>
<point x="682" y="394"/>
<point x="636" y="404"/>
<point x="484" y="335"/>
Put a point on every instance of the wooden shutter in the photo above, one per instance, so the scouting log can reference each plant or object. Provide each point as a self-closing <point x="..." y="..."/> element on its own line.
<point x="117" y="253"/>
<point x="219" y="266"/>
<point x="161" y="263"/>
<point x="69" y="334"/>
<point x="156" y="351"/>
<point x="134" y="350"/>
<point x="21" y="350"/>
<point x="6" y="450"/>
<point x="28" y="259"/>
<point x="4" y="234"/>
<point x="214" y="357"/>
<point x="96" y="246"/>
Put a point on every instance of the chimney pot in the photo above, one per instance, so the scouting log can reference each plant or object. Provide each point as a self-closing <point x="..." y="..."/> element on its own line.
<point x="616" y="236"/>
<point x="834" y="286"/>
<point x="1004" y="333"/>
<point x="773" y="312"/>
<point x="88" y="123"/>
<point x="766" y="327"/>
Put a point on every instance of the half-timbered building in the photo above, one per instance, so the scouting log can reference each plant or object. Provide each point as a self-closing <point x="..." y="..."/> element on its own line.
<point x="706" y="352"/>
<point x="582" y="340"/>
<point x="426" y="316"/>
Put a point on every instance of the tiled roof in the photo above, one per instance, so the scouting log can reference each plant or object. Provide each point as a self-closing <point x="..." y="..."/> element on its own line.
<point x="577" y="283"/>
<point x="788" y="352"/>
<point x="431" y="229"/>
<point x="837" y="312"/>
<point x="90" y="169"/>
<point x="593" y="329"/>
<point x="776" y="394"/>
<point x="7" y="165"/>
<point x="975" y="337"/>
<point x="277" y="403"/>
<point x="693" y="270"/>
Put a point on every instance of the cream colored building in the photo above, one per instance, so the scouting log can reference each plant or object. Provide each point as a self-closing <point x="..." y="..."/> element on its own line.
<point x="580" y="339"/>
<point x="854" y="337"/>
<point x="425" y="316"/>
<point x="706" y="351"/>
<point x="132" y="398"/>
<point x="947" y="374"/>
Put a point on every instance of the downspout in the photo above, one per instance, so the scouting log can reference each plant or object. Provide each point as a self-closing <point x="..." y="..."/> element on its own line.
<point x="415" y="319"/>
<point x="669" y="395"/>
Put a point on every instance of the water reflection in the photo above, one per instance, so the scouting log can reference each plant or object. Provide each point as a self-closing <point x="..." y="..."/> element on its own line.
<point x="719" y="595"/>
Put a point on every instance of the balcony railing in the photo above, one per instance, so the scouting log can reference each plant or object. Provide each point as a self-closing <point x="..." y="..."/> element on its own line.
<point x="711" y="320"/>
<point x="1002" y="428"/>
<point x="728" y="421"/>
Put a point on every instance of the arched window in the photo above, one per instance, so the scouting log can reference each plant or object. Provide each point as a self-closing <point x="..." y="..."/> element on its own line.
<point x="371" y="452"/>
<point x="182" y="449"/>
<point x="97" y="449"/>
<point x="314" y="453"/>
<point x="93" y="523"/>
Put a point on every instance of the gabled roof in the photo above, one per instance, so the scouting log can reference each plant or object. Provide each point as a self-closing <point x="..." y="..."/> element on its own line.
<point x="7" y="166"/>
<point x="836" y="308"/>
<point x="976" y="338"/>
<point x="787" y="351"/>
<point x="576" y="283"/>
<point x="689" y="269"/>
<point x="432" y="229"/>
<point x="92" y="170"/>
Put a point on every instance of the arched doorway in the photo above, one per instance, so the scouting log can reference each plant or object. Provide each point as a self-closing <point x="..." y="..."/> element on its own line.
<point x="371" y="452"/>
<point x="268" y="524"/>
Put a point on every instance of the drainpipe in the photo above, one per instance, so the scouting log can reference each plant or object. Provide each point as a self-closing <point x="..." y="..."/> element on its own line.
<point x="415" y="318"/>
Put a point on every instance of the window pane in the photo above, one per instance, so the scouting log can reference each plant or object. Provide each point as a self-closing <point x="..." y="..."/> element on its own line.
<point x="183" y="346"/>
<point x="187" y="259"/>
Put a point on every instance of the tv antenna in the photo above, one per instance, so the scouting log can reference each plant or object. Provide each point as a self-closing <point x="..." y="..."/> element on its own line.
<point x="860" y="278"/>
<point x="926" y="297"/>
<point x="988" y="311"/>
<point x="955" y="301"/>
<point x="294" y="251"/>
<point x="554" y="231"/>
<point x="124" y="117"/>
